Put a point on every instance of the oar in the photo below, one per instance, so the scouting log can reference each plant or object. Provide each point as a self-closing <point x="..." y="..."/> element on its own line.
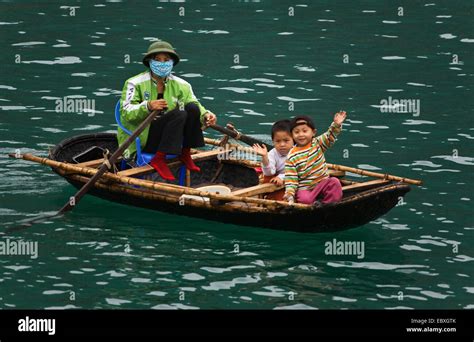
<point x="251" y="141"/>
<point x="107" y="164"/>
<point x="239" y="136"/>
<point x="73" y="200"/>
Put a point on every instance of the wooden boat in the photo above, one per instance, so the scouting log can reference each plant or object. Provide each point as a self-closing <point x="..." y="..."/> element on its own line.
<point x="245" y="205"/>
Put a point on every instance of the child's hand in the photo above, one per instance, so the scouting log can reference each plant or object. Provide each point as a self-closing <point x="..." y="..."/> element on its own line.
<point x="290" y="199"/>
<point x="339" y="117"/>
<point x="277" y="181"/>
<point x="261" y="150"/>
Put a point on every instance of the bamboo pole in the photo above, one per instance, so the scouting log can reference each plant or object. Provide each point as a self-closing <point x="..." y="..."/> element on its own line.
<point x="157" y="196"/>
<point x="239" y="136"/>
<point x="175" y="189"/>
<point x="336" y="167"/>
<point x="374" y="174"/>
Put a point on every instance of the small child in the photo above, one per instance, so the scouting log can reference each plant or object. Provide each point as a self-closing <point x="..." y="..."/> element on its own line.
<point x="306" y="172"/>
<point x="273" y="162"/>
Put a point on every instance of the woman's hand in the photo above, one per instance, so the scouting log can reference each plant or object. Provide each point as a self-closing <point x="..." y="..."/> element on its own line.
<point x="210" y="119"/>
<point x="157" y="104"/>
<point x="277" y="181"/>
<point x="339" y="117"/>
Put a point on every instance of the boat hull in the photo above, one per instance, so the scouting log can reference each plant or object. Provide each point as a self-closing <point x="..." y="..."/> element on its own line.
<point x="352" y="211"/>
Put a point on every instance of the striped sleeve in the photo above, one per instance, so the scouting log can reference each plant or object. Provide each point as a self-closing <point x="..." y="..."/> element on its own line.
<point x="291" y="178"/>
<point x="328" y="138"/>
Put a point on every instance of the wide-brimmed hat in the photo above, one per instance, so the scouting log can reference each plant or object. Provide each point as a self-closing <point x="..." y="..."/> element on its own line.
<point x="157" y="47"/>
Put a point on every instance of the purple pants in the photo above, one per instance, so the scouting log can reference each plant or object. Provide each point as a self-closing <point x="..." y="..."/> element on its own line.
<point x="330" y="189"/>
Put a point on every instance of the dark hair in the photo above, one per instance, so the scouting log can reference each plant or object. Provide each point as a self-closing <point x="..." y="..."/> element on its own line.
<point x="281" y="126"/>
<point x="302" y="120"/>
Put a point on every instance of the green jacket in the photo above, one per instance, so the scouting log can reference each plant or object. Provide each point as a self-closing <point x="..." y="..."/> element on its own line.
<point x="136" y="93"/>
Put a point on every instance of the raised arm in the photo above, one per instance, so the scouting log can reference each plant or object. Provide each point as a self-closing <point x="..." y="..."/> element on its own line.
<point x="328" y="138"/>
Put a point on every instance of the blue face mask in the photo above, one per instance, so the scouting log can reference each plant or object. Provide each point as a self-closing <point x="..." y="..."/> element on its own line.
<point x="161" y="69"/>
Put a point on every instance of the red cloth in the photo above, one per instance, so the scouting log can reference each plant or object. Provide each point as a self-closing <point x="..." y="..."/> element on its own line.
<point x="277" y="195"/>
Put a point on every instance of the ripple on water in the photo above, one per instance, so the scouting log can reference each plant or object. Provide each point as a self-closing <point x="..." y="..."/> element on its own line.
<point x="28" y="43"/>
<point x="226" y="269"/>
<point x="57" y="60"/>
<point x="157" y="293"/>
<point x="252" y="112"/>
<point x="368" y="167"/>
<point x="418" y="122"/>
<point x="65" y="307"/>
<point x="7" y="87"/>
<point x="116" y="301"/>
<point x="296" y="307"/>
<point x="228" y="284"/>
<point x="396" y="226"/>
<point x="53" y="292"/>
<point x="304" y="68"/>
<point x="272" y="291"/>
<point x="344" y="299"/>
<point x="292" y="99"/>
<point x="434" y="294"/>
<point x="193" y="277"/>
<point x="238" y="90"/>
<point x="174" y="306"/>
<point x="414" y="248"/>
<point x="457" y="159"/>
<point x="373" y="265"/>
<point x="393" y="58"/>
<point x="447" y="36"/>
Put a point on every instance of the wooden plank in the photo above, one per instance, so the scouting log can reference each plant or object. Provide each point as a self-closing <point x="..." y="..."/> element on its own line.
<point x="91" y="163"/>
<point x="188" y="178"/>
<point x="257" y="190"/>
<point x="336" y="173"/>
<point x="138" y="171"/>
<point x="365" y="185"/>
<point x="347" y="182"/>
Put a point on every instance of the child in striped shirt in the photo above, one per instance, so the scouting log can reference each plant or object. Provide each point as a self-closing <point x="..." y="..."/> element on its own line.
<point x="306" y="172"/>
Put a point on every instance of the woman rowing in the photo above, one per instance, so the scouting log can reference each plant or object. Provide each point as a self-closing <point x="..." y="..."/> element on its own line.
<point x="178" y="128"/>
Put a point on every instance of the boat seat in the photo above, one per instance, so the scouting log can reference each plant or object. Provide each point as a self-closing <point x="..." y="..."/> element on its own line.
<point x="213" y="189"/>
<point x="257" y="190"/>
<point x="91" y="163"/>
<point x="143" y="158"/>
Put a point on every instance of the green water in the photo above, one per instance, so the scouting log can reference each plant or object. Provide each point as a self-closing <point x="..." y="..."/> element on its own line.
<point x="325" y="57"/>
